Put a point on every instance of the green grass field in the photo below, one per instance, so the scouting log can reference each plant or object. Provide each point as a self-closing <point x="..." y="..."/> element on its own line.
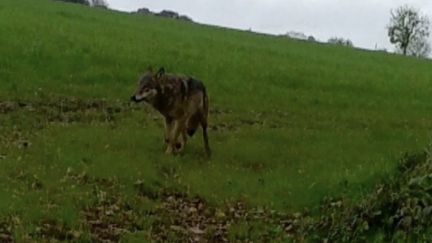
<point x="291" y="122"/>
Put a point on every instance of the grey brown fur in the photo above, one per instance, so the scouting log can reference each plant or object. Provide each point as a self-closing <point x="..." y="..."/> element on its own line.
<point x="181" y="100"/>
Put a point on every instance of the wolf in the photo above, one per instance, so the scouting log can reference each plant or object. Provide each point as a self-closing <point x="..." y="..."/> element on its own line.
<point x="181" y="100"/>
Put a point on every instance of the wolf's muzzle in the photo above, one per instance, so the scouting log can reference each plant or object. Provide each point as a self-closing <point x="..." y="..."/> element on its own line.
<point x="133" y="98"/>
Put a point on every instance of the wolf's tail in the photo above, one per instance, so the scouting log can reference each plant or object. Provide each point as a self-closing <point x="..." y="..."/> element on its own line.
<point x="204" y="122"/>
<point x="206" y="103"/>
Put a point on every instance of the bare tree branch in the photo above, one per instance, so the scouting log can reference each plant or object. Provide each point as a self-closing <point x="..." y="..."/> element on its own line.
<point x="409" y="31"/>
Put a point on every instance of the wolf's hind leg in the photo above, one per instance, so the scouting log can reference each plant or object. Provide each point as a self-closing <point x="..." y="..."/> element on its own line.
<point x="205" y="135"/>
<point x="193" y="124"/>
<point x="204" y="113"/>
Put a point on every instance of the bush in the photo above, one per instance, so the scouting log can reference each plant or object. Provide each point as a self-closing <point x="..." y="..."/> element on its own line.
<point x="85" y="2"/>
<point x="340" y="41"/>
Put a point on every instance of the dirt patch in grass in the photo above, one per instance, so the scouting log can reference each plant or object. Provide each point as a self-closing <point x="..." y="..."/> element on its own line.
<point x="188" y="219"/>
<point x="182" y="218"/>
<point x="6" y="229"/>
<point x="110" y="217"/>
<point x="64" y="110"/>
<point x="9" y="106"/>
<point x="176" y="216"/>
<point x="52" y="229"/>
<point x="69" y="109"/>
<point x="21" y="119"/>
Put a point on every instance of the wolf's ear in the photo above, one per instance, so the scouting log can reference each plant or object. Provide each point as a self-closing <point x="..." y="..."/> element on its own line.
<point x="160" y="73"/>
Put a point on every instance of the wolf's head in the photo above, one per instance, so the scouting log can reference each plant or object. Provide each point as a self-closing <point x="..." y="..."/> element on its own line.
<point x="148" y="86"/>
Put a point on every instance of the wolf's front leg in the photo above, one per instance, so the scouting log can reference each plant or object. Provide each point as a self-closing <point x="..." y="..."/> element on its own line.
<point x="183" y="139"/>
<point x="179" y="130"/>
<point x="168" y="129"/>
<point x="169" y="149"/>
<point x="168" y="134"/>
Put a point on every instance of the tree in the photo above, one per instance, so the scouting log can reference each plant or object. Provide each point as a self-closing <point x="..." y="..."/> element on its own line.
<point x="419" y="48"/>
<point x="185" y="18"/>
<point x="144" y="11"/>
<point x="409" y="31"/>
<point x="296" y="35"/>
<point x="98" y="3"/>
<point x="168" y="14"/>
<point x="311" y="38"/>
<point x="340" y="41"/>
<point x="85" y="2"/>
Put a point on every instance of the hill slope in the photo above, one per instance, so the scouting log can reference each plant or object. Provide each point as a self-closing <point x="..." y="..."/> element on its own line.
<point x="291" y="121"/>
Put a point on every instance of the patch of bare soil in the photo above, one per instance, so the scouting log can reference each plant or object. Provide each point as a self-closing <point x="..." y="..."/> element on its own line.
<point x="176" y="217"/>
<point x="6" y="229"/>
<point x="9" y="106"/>
<point x="20" y="119"/>
<point x="189" y="220"/>
<point x="109" y="218"/>
<point x="52" y="229"/>
<point x="13" y="138"/>
<point x="110" y="215"/>
<point x="69" y="109"/>
<point x="184" y="219"/>
<point x="74" y="110"/>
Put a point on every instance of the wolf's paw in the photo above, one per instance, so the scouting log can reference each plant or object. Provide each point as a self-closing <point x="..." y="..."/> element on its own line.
<point x="169" y="150"/>
<point x="179" y="147"/>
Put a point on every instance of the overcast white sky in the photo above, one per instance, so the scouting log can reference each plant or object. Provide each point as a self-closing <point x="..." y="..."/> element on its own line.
<point x="362" y="21"/>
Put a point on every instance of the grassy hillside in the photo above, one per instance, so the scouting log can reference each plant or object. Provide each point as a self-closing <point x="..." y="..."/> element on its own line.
<point x="291" y="122"/>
